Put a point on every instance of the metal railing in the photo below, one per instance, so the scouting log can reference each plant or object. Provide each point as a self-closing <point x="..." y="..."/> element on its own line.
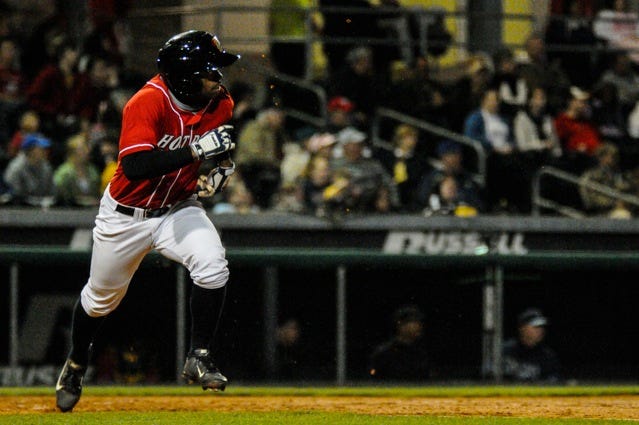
<point x="321" y="119"/>
<point x="538" y="201"/>
<point x="479" y="175"/>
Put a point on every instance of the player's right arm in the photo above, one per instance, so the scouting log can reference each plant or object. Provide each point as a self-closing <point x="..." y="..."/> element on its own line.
<point x="142" y="160"/>
<point x="155" y="163"/>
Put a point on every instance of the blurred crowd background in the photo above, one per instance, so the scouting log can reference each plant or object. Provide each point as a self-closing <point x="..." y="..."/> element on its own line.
<point x="472" y="135"/>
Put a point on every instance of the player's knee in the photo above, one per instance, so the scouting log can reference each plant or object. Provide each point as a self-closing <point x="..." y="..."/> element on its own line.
<point x="100" y="302"/>
<point x="211" y="277"/>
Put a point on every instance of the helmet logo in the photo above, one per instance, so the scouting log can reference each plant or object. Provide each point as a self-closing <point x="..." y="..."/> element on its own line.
<point x="216" y="44"/>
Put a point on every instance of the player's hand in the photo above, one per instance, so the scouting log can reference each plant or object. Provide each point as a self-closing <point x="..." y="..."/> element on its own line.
<point x="214" y="143"/>
<point x="215" y="182"/>
<point x="204" y="189"/>
<point x="219" y="177"/>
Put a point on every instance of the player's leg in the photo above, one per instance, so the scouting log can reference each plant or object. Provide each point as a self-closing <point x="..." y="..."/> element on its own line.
<point x="119" y="245"/>
<point x="189" y="237"/>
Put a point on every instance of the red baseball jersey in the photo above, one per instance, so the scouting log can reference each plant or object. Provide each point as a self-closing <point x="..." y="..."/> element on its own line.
<point x="152" y="120"/>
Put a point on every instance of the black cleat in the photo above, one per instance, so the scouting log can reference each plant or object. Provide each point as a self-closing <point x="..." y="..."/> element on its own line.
<point x="199" y="368"/>
<point x="69" y="386"/>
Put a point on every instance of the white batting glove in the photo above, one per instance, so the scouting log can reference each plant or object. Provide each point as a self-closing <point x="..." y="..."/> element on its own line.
<point x="213" y="143"/>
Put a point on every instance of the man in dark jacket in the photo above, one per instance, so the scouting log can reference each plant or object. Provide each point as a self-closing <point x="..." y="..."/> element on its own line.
<point x="527" y="358"/>
<point x="403" y="357"/>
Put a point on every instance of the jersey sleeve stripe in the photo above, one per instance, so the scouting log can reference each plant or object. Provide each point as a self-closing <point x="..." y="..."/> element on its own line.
<point x="136" y="147"/>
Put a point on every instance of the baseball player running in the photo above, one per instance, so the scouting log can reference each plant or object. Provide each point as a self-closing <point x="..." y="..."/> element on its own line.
<point x="169" y="127"/>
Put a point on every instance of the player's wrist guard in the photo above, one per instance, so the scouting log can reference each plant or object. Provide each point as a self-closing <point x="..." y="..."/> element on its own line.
<point x="216" y="180"/>
<point x="219" y="176"/>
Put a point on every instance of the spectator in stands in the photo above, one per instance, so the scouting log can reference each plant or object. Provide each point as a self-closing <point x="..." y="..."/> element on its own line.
<point x="12" y="84"/>
<point x="571" y="32"/>
<point x="103" y="79"/>
<point x="606" y="173"/>
<point x="259" y="153"/>
<point x="29" y="123"/>
<point x="321" y="144"/>
<point x="340" y="196"/>
<point x="512" y="88"/>
<point x="447" y="199"/>
<point x="346" y="24"/>
<point x="467" y="92"/>
<point x="404" y="163"/>
<point x="404" y="357"/>
<point x="40" y="46"/>
<point x="507" y="176"/>
<point x="359" y="82"/>
<point x="296" y="154"/>
<point x="290" y="355"/>
<point x="488" y="126"/>
<point x="58" y="94"/>
<point x="340" y="114"/>
<point x="535" y="134"/>
<point x="450" y="165"/>
<point x="619" y="27"/>
<point x="416" y="93"/>
<point x="527" y="357"/>
<point x="625" y="79"/>
<point x="104" y="154"/>
<point x="577" y="134"/>
<point x="315" y="180"/>
<point x="608" y="115"/>
<point x="289" y="198"/>
<point x="108" y="35"/>
<point x="77" y="180"/>
<point x="538" y="71"/>
<point x="372" y="188"/>
<point x="236" y="199"/>
<point x="30" y="175"/>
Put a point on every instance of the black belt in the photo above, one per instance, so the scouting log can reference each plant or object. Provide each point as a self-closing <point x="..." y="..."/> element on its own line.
<point x="148" y="213"/>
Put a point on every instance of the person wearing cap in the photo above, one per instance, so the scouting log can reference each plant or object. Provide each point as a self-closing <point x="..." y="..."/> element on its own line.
<point x="527" y="357"/>
<point x="30" y="175"/>
<point x="404" y="357"/>
<point x="450" y="164"/>
<point x="576" y="131"/>
<point x="340" y="115"/>
<point x="372" y="188"/>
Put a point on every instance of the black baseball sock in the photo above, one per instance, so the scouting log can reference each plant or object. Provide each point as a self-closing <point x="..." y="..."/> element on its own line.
<point x="206" y="310"/>
<point x="84" y="328"/>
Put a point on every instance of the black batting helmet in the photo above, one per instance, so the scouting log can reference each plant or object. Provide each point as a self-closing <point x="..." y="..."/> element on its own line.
<point x="186" y="58"/>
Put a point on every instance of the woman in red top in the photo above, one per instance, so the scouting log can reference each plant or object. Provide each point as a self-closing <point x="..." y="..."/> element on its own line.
<point x="576" y="132"/>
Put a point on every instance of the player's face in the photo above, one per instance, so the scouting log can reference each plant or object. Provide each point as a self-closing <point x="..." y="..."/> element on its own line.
<point x="210" y="88"/>
<point x="211" y="84"/>
<point x="531" y="335"/>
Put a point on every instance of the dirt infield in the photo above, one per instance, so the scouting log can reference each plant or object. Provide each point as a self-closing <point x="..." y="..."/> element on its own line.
<point x="601" y="407"/>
